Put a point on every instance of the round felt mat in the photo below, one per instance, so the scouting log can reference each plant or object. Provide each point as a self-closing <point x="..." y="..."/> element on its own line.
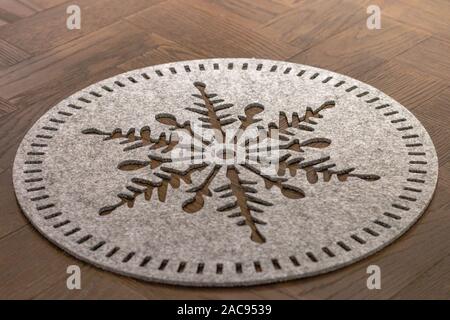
<point x="225" y="172"/>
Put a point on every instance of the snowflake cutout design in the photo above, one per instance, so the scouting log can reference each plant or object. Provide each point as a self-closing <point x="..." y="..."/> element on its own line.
<point x="273" y="154"/>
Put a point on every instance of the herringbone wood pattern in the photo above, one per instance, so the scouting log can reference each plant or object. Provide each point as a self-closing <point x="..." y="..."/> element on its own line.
<point x="41" y="62"/>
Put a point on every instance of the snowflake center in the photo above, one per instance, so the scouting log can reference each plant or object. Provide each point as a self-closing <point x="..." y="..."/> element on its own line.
<point x="266" y="152"/>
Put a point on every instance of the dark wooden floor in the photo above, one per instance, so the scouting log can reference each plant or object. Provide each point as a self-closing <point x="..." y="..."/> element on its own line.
<point x="41" y="62"/>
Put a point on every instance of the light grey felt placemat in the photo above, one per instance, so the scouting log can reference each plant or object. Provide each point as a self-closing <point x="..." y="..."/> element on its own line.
<point x="108" y="176"/>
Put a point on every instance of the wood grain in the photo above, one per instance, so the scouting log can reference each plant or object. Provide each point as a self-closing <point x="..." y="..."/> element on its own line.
<point x="11" y="10"/>
<point x="309" y="22"/>
<point x="430" y="56"/>
<point x="253" y="12"/>
<point x="163" y="51"/>
<point x="47" y="29"/>
<point x="410" y="86"/>
<point x="30" y="268"/>
<point x="41" y="62"/>
<point x="432" y="17"/>
<point x="11" y="55"/>
<point x="357" y="50"/>
<point x="5" y="107"/>
<point x="195" y="29"/>
<point x="434" y="115"/>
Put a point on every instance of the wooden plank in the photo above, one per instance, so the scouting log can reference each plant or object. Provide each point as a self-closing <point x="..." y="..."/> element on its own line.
<point x="434" y="115"/>
<point x="12" y="10"/>
<point x="313" y="21"/>
<point x="40" y="5"/>
<point x="29" y="264"/>
<point x="71" y="63"/>
<point x="96" y="284"/>
<point x="47" y="29"/>
<point x="10" y="55"/>
<point x="161" y="291"/>
<point x="208" y="32"/>
<point x="164" y="51"/>
<point x="431" y="16"/>
<point x="5" y="107"/>
<point x="358" y="50"/>
<point x="435" y="283"/>
<point x="430" y="56"/>
<point x="406" y="84"/>
<point x="11" y="219"/>
<point x="290" y="3"/>
<point x="257" y="12"/>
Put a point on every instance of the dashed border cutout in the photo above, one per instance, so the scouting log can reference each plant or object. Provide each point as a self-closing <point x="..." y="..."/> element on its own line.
<point x="411" y="189"/>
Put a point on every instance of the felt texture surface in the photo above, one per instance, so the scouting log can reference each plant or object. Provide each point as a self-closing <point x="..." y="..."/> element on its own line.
<point x="357" y="170"/>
